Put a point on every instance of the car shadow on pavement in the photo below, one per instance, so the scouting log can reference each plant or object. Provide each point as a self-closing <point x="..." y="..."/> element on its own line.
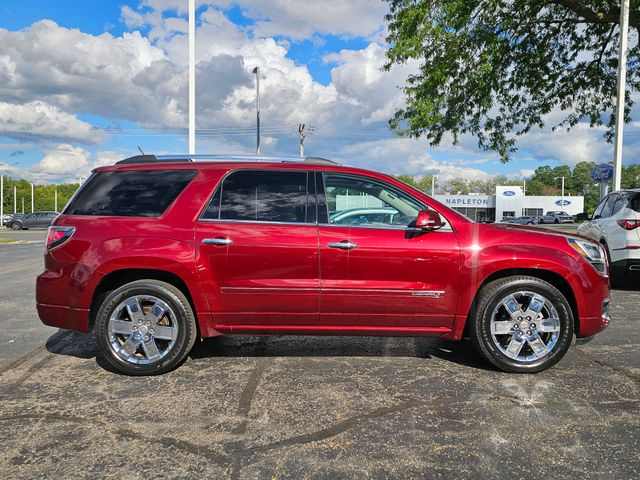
<point x="628" y="283"/>
<point x="84" y="345"/>
<point x="426" y="348"/>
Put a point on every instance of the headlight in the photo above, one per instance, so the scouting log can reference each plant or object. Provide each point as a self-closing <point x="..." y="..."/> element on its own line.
<point x="591" y="252"/>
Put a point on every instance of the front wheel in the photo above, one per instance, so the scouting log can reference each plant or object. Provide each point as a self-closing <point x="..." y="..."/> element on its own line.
<point x="146" y="327"/>
<point x="522" y="324"/>
<point x="16" y="226"/>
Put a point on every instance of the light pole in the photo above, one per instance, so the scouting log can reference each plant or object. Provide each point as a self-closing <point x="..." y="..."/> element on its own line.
<point x="1" y="200"/>
<point x="562" y="178"/>
<point x="192" y="77"/>
<point x="622" y="79"/>
<point x="32" y="197"/>
<point x="15" y="200"/>
<point x="433" y="185"/>
<point x="256" y="70"/>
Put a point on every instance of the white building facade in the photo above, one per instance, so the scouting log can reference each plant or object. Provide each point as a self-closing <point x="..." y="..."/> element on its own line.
<point x="510" y="201"/>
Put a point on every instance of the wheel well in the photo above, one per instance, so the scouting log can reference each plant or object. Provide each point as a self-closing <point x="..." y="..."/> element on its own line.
<point x="548" y="276"/>
<point x="118" y="278"/>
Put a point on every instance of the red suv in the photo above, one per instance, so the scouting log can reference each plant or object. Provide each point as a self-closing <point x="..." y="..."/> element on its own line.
<point x="154" y="252"/>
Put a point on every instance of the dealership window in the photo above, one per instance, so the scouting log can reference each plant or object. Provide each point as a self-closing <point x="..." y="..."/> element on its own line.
<point x="532" y="212"/>
<point x="509" y="214"/>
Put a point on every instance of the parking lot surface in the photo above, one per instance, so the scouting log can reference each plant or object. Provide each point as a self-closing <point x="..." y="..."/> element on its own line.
<point x="310" y="407"/>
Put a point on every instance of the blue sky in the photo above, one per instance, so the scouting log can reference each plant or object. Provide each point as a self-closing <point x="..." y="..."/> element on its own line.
<point x="85" y="82"/>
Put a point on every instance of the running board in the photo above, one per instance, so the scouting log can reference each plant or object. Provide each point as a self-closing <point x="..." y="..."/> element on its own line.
<point x="332" y="330"/>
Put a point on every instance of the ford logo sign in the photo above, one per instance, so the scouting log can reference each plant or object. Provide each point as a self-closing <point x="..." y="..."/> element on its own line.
<point x="509" y="193"/>
<point x="562" y="203"/>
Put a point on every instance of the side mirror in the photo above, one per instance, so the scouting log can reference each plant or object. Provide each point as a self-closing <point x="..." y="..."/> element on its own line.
<point x="428" y="220"/>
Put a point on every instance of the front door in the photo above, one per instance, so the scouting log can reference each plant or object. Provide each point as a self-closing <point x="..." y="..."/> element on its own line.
<point x="257" y="248"/>
<point x="383" y="272"/>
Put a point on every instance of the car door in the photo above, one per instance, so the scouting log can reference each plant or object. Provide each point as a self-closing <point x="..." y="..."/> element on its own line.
<point x="30" y="220"/>
<point x="383" y="274"/>
<point x="257" y="249"/>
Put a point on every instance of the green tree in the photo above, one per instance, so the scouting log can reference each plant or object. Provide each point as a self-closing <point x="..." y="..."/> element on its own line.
<point x="495" y="68"/>
<point x="44" y="195"/>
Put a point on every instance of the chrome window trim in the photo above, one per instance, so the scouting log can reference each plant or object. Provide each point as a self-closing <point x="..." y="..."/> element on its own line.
<point x="260" y="222"/>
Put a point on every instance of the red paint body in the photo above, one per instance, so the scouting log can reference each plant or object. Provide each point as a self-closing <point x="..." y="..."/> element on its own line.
<point x="282" y="278"/>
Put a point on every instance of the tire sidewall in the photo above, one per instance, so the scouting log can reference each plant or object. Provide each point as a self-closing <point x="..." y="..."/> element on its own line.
<point x="16" y="226"/>
<point x="185" y="325"/>
<point x="491" y="351"/>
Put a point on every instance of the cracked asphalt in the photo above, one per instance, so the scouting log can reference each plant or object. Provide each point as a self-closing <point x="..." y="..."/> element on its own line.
<point x="310" y="407"/>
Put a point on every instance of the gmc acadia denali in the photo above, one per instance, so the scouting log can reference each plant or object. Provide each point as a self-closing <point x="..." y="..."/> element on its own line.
<point x="154" y="252"/>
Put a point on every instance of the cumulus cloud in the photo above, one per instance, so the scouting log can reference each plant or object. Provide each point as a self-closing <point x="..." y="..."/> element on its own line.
<point x="61" y="161"/>
<point x="37" y="119"/>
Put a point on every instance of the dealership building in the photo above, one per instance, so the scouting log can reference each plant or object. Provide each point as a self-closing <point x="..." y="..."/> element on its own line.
<point x="510" y="202"/>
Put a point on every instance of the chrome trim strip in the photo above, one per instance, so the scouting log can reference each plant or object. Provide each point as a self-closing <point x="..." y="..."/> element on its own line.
<point x="413" y="293"/>
<point x="260" y="222"/>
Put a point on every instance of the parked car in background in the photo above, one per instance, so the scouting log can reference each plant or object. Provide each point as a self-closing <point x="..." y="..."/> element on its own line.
<point x="555" y="217"/>
<point x="527" y="220"/>
<point x="369" y="216"/>
<point x="616" y="225"/>
<point x="5" y="219"/>
<point x="32" y="220"/>
<point x="154" y="252"/>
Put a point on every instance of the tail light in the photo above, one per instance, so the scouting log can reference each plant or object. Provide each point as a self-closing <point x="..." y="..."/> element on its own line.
<point x="56" y="236"/>
<point x="629" y="224"/>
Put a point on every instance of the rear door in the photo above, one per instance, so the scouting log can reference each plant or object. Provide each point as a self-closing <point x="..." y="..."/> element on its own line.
<point x="383" y="273"/>
<point x="257" y="245"/>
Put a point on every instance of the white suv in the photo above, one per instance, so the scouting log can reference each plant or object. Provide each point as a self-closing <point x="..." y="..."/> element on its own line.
<point x="616" y="225"/>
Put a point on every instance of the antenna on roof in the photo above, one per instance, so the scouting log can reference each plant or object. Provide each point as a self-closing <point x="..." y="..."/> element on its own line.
<point x="140" y="150"/>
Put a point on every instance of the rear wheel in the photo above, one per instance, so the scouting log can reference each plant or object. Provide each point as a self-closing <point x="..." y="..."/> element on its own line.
<point x="16" y="226"/>
<point x="522" y="324"/>
<point x="146" y="327"/>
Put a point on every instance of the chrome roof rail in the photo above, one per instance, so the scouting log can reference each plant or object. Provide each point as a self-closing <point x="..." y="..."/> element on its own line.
<point x="243" y="158"/>
<point x="185" y="157"/>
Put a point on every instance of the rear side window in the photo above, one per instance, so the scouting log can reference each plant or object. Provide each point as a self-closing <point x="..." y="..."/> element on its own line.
<point x="263" y="196"/>
<point x="634" y="203"/>
<point x="137" y="193"/>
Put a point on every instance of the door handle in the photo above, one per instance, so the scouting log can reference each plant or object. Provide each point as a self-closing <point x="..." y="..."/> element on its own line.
<point x="219" y="241"/>
<point x="343" y="245"/>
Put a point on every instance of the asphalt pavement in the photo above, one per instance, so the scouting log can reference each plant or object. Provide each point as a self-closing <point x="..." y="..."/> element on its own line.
<point x="310" y="407"/>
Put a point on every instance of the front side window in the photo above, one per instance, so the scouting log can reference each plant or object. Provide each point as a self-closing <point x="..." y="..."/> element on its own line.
<point x="353" y="200"/>
<point x="262" y="196"/>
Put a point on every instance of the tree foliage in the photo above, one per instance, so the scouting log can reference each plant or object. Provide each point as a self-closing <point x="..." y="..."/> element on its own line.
<point x="44" y="195"/>
<point x="496" y="68"/>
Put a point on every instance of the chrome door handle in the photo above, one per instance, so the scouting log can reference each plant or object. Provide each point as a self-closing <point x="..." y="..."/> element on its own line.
<point x="343" y="245"/>
<point x="220" y="241"/>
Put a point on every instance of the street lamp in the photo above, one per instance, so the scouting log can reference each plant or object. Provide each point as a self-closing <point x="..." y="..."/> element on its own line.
<point x="562" y="178"/>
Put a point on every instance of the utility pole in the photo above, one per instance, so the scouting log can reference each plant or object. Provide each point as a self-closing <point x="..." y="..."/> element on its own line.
<point x="622" y="79"/>
<point x="304" y="131"/>
<point x="192" y="77"/>
<point x="256" y="70"/>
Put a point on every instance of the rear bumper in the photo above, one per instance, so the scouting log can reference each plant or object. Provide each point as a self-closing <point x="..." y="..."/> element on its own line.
<point x="63" y="316"/>
<point x="626" y="265"/>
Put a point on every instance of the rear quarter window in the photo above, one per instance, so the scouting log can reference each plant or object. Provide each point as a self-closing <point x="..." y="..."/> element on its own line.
<point x="634" y="203"/>
<point x="133" y="193"/>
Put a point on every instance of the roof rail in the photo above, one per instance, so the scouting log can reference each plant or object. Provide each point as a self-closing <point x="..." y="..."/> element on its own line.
<point x="244" y="158"/>
<point x="185" y="157"/>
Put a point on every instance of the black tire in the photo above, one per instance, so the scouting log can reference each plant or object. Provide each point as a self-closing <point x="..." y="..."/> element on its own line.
<point x="16" y="226"/>
<point x="179" y="319"/>
<point x="556" y="221"/>
<point x="489" y="299"/>
<point x="541" y="220"/>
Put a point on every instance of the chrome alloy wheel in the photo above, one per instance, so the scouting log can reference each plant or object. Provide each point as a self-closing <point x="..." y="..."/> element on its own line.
<point x="525" y="326"/>
<point x="142" y="329"/>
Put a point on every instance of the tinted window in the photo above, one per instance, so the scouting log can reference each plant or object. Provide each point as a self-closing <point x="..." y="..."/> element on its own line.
<point x="138" y="193"/>
<point x="361" y="201"/>
<point x="263" y="196"/>
<point x="634" y="203"/>
<point x="608" y="206"/>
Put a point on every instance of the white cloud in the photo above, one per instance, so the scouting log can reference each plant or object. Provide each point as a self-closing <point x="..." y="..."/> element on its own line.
<point x="63" y="160"/>
<point x="39" y="120"/>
